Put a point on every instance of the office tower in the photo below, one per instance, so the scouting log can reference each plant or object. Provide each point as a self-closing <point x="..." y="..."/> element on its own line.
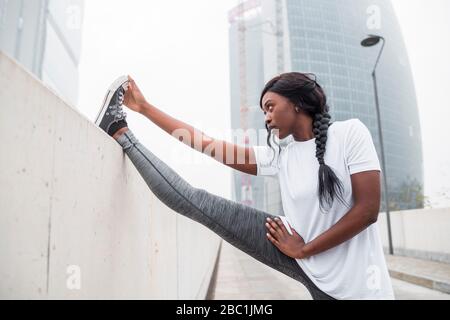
<point x="324" y="37"/>
<point x="45" y="37"/>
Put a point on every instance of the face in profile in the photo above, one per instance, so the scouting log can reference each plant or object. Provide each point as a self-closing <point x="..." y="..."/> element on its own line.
<point x="279" y="114"/>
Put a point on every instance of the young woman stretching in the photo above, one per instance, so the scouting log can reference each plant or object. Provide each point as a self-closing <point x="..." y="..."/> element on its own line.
<point x="329" y="177"/>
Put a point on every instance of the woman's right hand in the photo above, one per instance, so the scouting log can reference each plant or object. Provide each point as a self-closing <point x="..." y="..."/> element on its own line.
<point x="134" y="99"/>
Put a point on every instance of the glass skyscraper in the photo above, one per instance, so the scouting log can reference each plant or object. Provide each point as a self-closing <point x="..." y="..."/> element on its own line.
<point x="45" y="37"/>
<point x="324" y="37"/>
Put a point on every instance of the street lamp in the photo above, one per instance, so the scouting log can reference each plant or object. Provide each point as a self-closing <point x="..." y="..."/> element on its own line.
<point x="371" y="41"/>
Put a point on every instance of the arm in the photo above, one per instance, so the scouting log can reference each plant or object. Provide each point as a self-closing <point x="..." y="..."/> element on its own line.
<point x="366" y="193"/>
<point x="235" y="156"/>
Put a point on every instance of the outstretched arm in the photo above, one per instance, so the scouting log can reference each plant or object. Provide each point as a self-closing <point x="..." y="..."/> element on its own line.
<point x="235" y="156"/>
<point x="366" y="193"/>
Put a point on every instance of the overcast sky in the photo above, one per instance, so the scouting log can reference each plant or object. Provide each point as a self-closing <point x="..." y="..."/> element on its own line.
<point x="177" y="51"/>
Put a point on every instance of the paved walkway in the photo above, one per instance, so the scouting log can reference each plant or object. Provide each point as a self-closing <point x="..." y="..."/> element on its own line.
<point x="429" y="274"/>
<point x="241" y="277"/>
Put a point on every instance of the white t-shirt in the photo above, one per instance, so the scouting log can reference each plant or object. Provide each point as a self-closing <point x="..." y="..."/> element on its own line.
<point x="355" y="269"/>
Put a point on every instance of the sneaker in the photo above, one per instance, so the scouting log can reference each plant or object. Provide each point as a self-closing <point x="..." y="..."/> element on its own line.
<point x="111" y="116"/>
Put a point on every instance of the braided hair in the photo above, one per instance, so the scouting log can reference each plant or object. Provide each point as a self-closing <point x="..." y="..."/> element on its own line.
<point x="306" y="94"/>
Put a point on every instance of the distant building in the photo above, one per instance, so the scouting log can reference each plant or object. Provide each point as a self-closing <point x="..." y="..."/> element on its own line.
<point x="323" y="37"/>
<point x="45" y="37"/>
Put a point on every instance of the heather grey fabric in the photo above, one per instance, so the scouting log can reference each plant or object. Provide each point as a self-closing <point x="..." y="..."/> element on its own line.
<point x="242" y="226"/>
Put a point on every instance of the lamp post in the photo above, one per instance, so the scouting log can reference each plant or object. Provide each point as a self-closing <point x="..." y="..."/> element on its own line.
<point x="371" y="41"/>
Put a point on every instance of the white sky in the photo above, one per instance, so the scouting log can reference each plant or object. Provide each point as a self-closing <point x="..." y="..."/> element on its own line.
<point x="177" y="51"/>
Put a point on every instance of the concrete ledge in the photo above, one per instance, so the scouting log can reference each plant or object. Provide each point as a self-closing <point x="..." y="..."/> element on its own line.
<point x="77" y="221"/>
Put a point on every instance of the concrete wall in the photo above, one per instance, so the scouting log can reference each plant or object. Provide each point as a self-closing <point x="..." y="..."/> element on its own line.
<point x="419" y="233"/>
<point x="74" y="210"/>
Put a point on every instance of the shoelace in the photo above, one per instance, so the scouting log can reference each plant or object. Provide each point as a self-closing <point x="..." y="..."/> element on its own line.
<point x="116" y="109"/>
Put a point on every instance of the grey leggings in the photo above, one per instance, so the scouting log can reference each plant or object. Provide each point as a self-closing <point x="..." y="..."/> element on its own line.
<point x="241" y="226"/>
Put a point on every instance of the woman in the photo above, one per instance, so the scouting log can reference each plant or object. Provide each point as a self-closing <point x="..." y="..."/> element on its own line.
<point x="329" y="177"/>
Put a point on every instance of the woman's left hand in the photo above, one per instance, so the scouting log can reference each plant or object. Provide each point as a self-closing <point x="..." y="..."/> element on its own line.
<point x="290" y="245"/>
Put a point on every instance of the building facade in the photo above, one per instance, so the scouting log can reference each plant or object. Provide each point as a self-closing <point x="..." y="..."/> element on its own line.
<point x="45" y="37"/>
<point x="324" y="37"/>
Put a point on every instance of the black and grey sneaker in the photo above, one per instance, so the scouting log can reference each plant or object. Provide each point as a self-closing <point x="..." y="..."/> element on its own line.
<point x="111" y="116"/>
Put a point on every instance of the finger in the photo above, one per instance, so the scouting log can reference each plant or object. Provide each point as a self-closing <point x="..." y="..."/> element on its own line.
<point x="272" y="239"/>
<point x="135" y="86"/>
<point x="130" y="81"/>
<point x="275" y="226"/>
<point x="281" y="225"/>
<point x="130" y="84"/>
<point x="273" y="232"/>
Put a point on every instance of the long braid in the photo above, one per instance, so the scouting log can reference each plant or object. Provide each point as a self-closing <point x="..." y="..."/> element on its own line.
<point x="327" y="191"/>
<point x="321" y="124"/>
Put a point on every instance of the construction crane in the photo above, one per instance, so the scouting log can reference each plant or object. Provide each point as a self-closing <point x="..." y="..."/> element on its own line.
<point x="246" y="185"/>
<point x="279" y="33"/>
<point x="277" y="29"/>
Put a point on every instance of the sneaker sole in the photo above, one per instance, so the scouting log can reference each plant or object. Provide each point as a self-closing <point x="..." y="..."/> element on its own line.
<point x="112" y="89"/>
